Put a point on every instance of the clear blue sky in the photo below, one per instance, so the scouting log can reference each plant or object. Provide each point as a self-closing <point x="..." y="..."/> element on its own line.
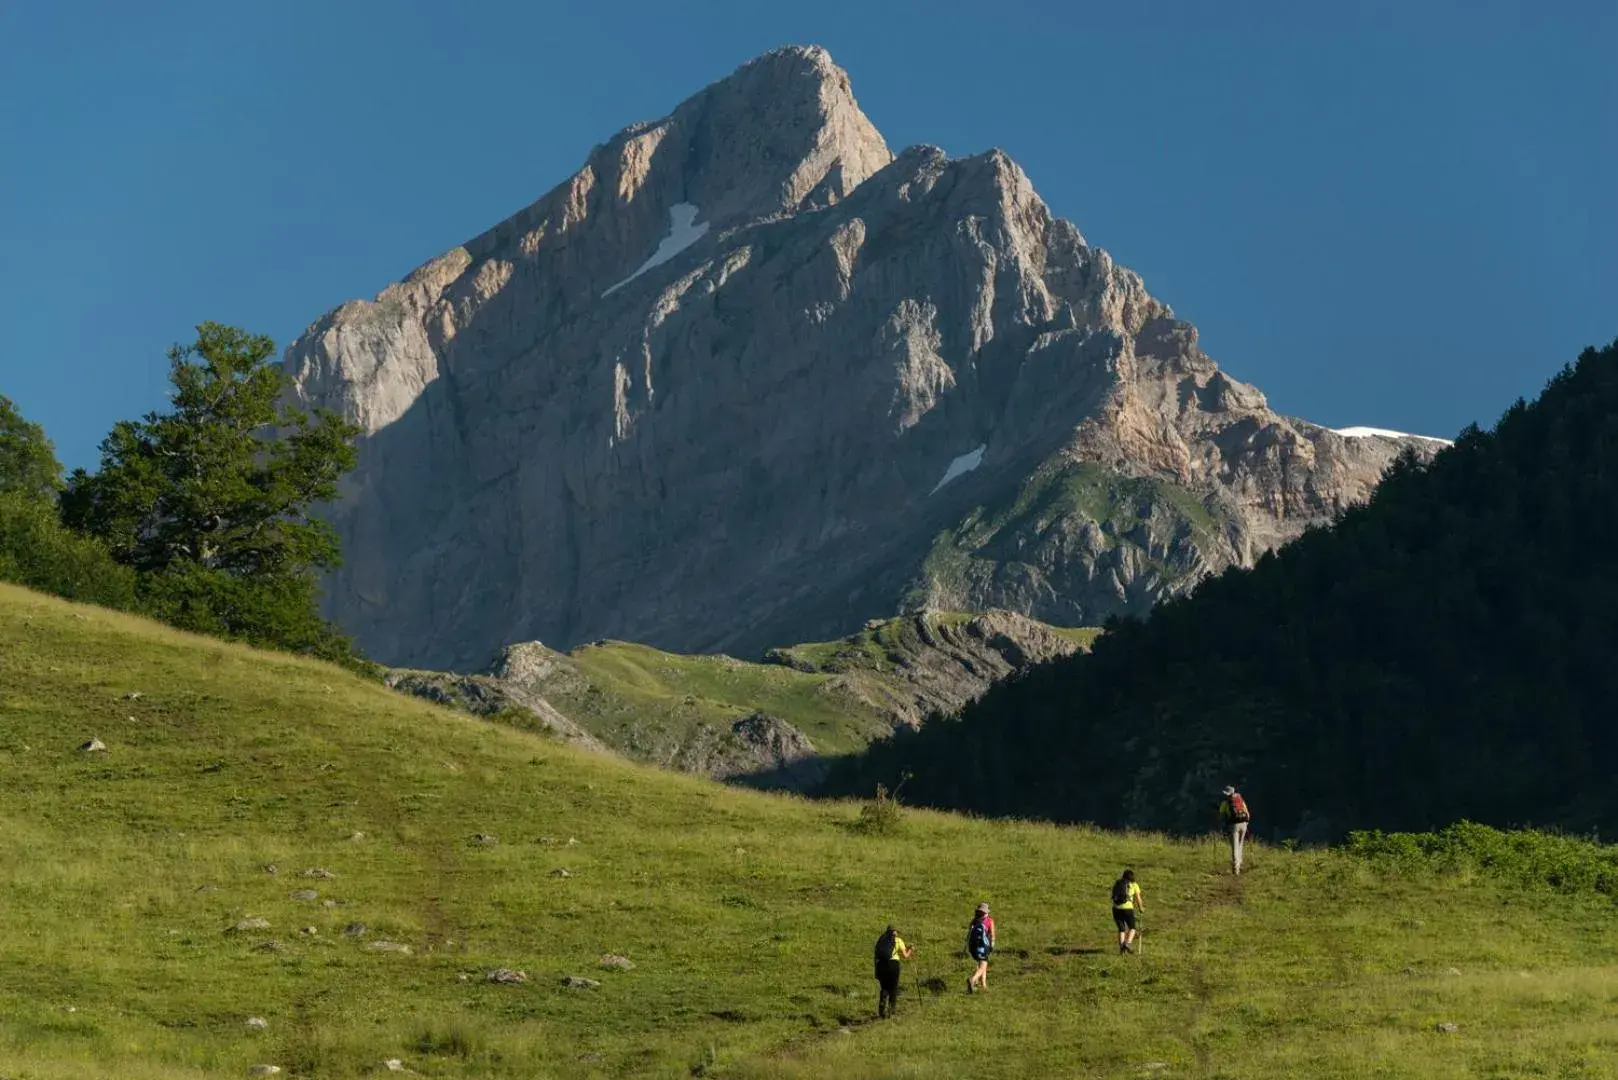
<point x="1402" y="214"/>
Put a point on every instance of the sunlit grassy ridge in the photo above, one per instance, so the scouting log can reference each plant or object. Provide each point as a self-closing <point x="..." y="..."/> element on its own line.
<point x="749" y="918"/>
<point x="640" y="697"/>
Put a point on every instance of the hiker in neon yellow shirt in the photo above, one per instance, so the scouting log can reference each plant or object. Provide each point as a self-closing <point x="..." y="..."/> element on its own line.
<point x="1126" y="904"/>
<point x="890" y="949"/>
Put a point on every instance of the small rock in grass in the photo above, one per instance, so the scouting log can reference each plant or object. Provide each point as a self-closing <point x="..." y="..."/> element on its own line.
<point x="560" y="872"/>
<point x="94" y="746"/>
<point x="310" y="931"/>
<point x="318" y="872"/>
<point x="617" y="963"/>
<point x="271" y="869"/>
<point x="507" y="977"/>
<point x="485" y="840"/>
<point x="1453" y="971"/>
<point x="134" y="695"/>
<point x="389" y="946"/>
<point x="355" y="929"/>
<point x="356" y="836"/>
<point x="1446" y="1027"/>
<point x="571" y="842"/>
<point x="258" y="1023"/>
<point x="253" y="922"/>
<point x="304" y="894"/>
<point x="207" y="888"/>
<point x="393" y="1065"/>
<point x="578" y="982"/>
<point x="264" y="1070"/>
<point x="267" y="946"/>
<point x="845" y="1031"/>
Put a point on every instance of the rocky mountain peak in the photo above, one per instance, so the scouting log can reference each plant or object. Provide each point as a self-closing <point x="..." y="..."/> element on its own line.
<point x="746" y="378"/>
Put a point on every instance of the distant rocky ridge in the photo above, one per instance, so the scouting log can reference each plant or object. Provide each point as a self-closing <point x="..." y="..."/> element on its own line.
<point x="748" y="377"/>
<point x="733" y="720"/>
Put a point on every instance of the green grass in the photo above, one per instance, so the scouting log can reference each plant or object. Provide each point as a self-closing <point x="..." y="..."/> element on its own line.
<point x="649" y="702"/>
<point x="749" y="917"/>
<point x="878" y="648"/>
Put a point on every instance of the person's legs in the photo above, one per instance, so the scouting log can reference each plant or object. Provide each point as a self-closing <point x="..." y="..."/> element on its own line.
<point x="1125" y="918"/>
<point x="980" y="976"/>
<point x="887" y="978"/>
<point x="1238" y="834"/>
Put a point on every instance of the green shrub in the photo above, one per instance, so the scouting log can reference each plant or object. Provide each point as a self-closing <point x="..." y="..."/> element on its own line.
<point x="270" y="611"/>
<point x="1524" y="856"/>
<point x="880" y="816"/>
<point x="37" y="552"/>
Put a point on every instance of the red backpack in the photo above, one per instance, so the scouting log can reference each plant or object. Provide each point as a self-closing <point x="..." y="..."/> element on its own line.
<point x="1238" y="808"/>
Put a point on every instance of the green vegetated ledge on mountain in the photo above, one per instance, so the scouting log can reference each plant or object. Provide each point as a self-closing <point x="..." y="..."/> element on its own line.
<point x="274" y="862"/>
<point x="1442" y="652"/>
<point x="767" y="724"/>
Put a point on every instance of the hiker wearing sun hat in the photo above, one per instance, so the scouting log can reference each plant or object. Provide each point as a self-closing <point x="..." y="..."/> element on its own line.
<point x="1234" y="816"/>
<point x="979" y="944"/>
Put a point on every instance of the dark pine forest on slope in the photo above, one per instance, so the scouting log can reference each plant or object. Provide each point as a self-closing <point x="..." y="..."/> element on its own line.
<point x="1448" y="650"/>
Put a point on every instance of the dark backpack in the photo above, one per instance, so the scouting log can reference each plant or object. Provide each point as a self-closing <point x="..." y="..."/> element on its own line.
<point x="977" y="938"/>
<point x="884" y="946"/>
<point x="1120" y="893"/>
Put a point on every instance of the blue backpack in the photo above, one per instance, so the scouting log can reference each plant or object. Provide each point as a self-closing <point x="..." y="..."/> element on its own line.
<point x="977" y="939"/>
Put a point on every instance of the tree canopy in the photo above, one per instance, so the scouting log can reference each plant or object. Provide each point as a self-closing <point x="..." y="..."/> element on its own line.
<point x="28" y="464"/>
<point x="212" y="501"/>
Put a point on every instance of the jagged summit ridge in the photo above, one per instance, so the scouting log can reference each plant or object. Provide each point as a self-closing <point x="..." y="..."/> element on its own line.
<point x="701" y="394"/>
<point x="780" y="134"/>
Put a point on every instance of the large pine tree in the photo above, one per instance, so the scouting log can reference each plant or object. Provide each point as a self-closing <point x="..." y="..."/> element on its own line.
<point x="212" y="501"/>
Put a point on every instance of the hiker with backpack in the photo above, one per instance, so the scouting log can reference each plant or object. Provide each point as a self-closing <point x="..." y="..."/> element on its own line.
<point x="1233" y="814"/>
<point x="1126" y="905"/>
<point x="979" y="944"/>
<point x="890" y="949"/>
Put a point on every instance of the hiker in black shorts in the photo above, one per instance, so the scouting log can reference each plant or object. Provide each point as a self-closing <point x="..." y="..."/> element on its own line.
<point x="890" y="949"/>
<point x="1126" y="901"/>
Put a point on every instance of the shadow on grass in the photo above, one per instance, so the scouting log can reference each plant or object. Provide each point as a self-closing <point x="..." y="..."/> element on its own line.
<point x="1070" y="950"/>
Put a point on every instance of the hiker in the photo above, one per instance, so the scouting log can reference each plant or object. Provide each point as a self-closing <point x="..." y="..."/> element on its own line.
<point x="1233" y="814"/>
<point x="979" y="944"/>
<point x="1126" y="902"/>
<point x="890" y="949"/>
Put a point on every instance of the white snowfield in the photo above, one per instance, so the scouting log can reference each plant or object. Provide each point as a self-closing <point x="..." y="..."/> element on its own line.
<point x="1384" y="433"/>
<point x="960" y="466"/>
<point x="683" y="232"/>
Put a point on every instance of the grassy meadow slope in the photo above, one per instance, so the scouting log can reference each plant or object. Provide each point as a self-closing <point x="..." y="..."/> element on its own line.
<point x="680" y="710"/>
<point x="749" y="917"/>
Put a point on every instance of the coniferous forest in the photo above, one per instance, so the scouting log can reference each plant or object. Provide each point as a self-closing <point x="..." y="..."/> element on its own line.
<point x="1449" y="650"/>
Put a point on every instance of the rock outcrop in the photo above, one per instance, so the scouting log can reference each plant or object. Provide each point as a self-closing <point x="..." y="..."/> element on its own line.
<point x="747" y="377"/>
<point x="917" y="665"/>
<point x="734" y="720"/>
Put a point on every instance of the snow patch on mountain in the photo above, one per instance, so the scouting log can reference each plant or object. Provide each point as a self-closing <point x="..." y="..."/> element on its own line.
<point x="683" y="232"/>
<point x="960" y="466"/>
<point x="1384" y="433"/>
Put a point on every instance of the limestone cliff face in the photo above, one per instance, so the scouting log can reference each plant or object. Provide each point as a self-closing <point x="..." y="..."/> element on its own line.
<point x="748" y="378"/>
